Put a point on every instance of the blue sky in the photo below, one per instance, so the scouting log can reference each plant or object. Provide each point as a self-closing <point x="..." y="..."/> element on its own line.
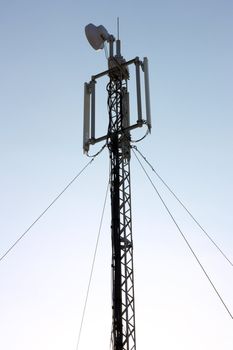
<point x="45" y="59"/>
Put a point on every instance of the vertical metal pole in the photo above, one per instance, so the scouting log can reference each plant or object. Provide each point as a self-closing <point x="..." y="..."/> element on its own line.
<point x="123" y="327"/>
<point x="111" y="41"/>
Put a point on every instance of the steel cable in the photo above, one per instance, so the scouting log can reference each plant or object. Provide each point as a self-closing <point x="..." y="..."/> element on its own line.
<point x="42" y="214"/>
<point x="185" y="208"/>
<point x="184" y="237"/>
<point x="92" y="268"/>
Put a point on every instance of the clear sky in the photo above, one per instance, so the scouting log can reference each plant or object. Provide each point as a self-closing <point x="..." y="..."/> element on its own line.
<point x="44" y="61"/>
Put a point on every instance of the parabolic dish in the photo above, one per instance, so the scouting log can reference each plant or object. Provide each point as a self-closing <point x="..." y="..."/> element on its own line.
<point x="96" y="35"/>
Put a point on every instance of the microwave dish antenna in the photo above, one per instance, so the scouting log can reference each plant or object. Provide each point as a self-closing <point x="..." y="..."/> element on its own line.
<point x="96" y="36"/>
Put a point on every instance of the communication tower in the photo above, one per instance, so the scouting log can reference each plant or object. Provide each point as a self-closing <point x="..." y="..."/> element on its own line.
<point x="118" y="141"/>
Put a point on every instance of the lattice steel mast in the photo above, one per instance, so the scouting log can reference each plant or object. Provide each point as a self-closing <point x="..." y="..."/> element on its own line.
<point x="123" y="326"/>
<point x="118" y="140"/>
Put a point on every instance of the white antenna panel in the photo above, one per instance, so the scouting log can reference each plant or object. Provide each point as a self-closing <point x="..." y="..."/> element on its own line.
<point x="86" y="118"/>
<point x="147" y="92"/>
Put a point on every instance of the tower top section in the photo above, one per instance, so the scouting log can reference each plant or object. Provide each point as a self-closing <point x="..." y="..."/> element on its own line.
<point x="119" y="74"/>
<point x="97" y="36"/>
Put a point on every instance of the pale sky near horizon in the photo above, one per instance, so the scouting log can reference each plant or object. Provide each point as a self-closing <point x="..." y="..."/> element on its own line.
<point x="44" y="61"/>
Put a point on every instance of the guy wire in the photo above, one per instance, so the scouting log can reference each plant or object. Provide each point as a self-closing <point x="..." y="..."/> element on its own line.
<point x="184" y="207"/>
<point x="184" y="237"/>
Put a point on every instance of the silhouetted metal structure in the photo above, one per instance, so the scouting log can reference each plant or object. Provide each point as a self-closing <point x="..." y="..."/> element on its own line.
<point x="118" y="140"/>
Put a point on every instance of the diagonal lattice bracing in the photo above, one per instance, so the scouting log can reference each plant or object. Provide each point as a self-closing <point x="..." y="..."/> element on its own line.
<point x="123" y="327"/>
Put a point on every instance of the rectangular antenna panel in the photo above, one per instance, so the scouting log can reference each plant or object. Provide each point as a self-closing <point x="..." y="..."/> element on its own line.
<point x="138" y="87"/>
<point x="92" y="83"/>
<point x="125" y="110"/>
<point x="147" y="92"/>
<point x="86" y="118"/>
